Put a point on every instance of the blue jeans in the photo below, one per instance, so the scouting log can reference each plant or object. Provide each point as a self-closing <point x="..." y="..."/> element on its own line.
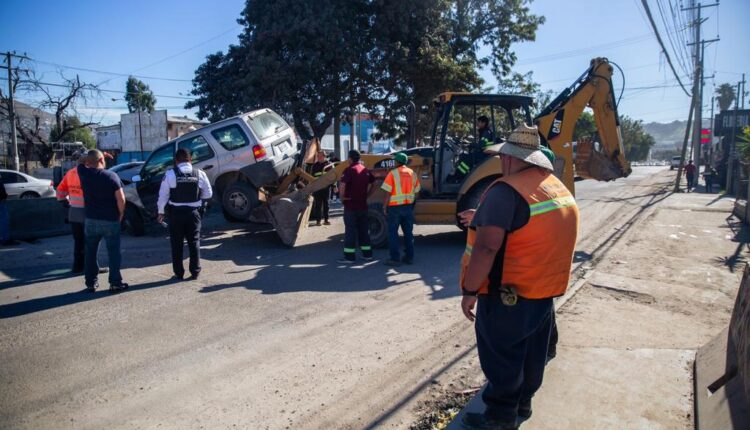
<point x="95" y="231"/>
<point x="401" y="216"/>
<point x="4" y="223"/>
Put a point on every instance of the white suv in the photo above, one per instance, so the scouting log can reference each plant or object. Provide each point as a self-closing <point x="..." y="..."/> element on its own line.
<point x="239" y="155"/>
<point x="675" y="163"/>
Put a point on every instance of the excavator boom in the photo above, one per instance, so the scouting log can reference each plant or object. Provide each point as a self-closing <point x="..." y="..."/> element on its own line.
<point x="557" y="122"/>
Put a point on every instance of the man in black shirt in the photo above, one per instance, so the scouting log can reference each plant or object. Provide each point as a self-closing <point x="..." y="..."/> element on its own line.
<point x="320" y="204"/>
<point x="105" y="207"/>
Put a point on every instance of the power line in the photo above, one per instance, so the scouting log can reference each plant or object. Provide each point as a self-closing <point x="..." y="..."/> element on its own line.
<point x="52" y="84"/>
<point x="661" y="43"/>
<point x="582" y="51"/>
<point x="169" y="57"/>
<point x="83" y="69"/>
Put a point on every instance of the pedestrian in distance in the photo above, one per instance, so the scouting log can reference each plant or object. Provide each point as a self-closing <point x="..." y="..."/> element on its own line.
<point x="401" y="186"/>
<point x="182" y="194"/>
<point x="104" y="208"/>
<point x="355" y="186"/>
<point x="518" y="256"/>
<point x="690" y="171"/>
<point x="709" y="173"/>
<point x="320" y="208"/>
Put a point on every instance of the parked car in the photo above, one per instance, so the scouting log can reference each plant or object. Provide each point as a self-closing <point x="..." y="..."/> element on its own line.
<point x="22" y="186"/>
<point x="126" y="171"/>
<point x="240" y="155"/>
<point x="675" y="163"/>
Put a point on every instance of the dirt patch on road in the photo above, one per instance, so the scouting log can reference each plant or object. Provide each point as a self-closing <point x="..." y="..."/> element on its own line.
<point x="437" y="413"/>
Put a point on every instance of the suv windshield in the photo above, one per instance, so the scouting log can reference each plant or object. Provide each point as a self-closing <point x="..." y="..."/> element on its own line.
<point x="266" y="124"/>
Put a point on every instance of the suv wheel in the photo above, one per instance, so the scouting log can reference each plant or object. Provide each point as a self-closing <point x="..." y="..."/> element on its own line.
<point x="133" y="221"/>
<point x="238" y="201"/>
<point x="29" y="195"/>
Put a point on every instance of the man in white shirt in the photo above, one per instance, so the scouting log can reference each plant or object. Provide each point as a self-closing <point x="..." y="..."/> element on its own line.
<point x="183" y="190"/>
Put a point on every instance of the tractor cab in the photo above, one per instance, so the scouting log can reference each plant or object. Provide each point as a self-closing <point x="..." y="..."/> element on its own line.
<point x="464" y="124"/>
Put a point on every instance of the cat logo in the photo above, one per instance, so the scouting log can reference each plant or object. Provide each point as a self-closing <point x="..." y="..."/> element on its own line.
<point x="557" y="125"/>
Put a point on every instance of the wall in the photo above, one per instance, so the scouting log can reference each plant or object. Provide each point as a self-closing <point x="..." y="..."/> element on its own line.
<point x="153" y="126"/>
<point x="109" y="139"/>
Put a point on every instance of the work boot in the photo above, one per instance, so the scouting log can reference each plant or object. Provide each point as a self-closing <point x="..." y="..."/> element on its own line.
<point x="92" y="288"/>
<point x="326" y="222"/>
<point x="475" y="421"/>
<point x="116" y="288"/>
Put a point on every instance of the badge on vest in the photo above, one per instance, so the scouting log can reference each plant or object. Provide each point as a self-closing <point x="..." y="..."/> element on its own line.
<point x="508" y="295"/>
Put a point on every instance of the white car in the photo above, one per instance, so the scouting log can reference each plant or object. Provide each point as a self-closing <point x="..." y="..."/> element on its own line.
<point x="675" y="162"/>
<point x="22" y="186"/>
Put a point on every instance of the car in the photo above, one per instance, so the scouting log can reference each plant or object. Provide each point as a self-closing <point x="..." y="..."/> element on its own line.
<point x="675" y="162"/>
<point x="22" y="186"/>
<point x="126" y="171"/>
<point x="240" y="155"/>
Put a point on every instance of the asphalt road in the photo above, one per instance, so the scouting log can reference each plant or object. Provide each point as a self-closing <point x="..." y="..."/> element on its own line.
<point x="269" y="337"/>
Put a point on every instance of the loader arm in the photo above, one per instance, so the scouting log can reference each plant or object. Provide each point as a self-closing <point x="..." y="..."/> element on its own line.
<point x="557" y="122"/>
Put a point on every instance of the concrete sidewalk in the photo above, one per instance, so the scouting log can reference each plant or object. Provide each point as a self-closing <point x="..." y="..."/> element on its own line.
<point x="630" y="329"/>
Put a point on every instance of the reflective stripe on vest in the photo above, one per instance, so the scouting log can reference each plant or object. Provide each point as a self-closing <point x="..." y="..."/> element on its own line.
<point x="538" y="256"/>
<point x="398" y="197"/>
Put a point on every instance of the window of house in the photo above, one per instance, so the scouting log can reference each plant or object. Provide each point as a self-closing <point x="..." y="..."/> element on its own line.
<point x="231" y="137"/>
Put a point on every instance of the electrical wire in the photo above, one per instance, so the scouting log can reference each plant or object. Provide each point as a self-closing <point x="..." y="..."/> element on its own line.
<point x="83" y="69"/>
<point x="52" y="84"/>
<point x="661" y="43"/>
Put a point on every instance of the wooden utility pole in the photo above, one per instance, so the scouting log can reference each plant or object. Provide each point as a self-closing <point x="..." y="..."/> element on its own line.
<point x="12" y="112"/>
<point x="732" y="149"/>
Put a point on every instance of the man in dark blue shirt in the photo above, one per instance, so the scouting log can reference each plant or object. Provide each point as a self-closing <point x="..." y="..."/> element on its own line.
<point x="105" y="207"/>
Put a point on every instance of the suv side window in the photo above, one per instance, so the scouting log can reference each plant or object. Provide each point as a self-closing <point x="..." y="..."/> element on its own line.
<point x="159" y="162"/>
<point x="198" y="147"/>
<point x="231" y="137"/>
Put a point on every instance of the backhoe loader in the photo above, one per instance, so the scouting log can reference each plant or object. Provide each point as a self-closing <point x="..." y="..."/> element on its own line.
<point x="453" y="170"/>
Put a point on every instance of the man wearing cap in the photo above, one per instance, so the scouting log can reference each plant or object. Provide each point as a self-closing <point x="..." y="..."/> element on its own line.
<point x="320" y="203"/>
<point x="354" y="187"/>
<point x="401" y="185"/>
<point x="518" y="257"/>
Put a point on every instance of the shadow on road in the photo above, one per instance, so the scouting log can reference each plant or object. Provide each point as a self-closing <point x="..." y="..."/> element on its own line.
<point x="51" y="302"/>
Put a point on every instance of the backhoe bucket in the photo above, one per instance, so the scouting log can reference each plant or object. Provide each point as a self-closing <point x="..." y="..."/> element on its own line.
<point x="289" y="215"/>
<point x="593" y="164"/>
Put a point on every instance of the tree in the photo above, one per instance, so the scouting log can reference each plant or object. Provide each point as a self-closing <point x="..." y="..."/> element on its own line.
<point x="315" y="61"/>
<point x="636" y="140"/>
<point x="725" y="95"/>
<point x="60" y="102"/>
<point x="585" y="126"/>
<point x="138" y="96"/>
<point x="78" y="133"/>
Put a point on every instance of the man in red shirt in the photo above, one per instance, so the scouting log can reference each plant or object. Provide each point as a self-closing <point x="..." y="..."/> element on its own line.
<point x="690" y="171"/>
<point x="355" y="186"/>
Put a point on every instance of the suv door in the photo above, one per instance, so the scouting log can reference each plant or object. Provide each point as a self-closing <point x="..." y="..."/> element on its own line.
<point x="152" y="173"/>
<point x="202" y="154"/>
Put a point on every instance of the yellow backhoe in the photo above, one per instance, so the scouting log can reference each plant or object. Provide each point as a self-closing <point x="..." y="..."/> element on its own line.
<point x="454" y="171"/>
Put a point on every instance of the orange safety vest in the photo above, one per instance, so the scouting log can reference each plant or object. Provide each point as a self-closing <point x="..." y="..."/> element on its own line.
<point x="402" y="190"/>
<point x="70" y="188"/>
<point x="538" y="256"/>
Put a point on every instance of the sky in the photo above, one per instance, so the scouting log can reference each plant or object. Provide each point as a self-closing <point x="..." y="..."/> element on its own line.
<point x="162" y="42"/>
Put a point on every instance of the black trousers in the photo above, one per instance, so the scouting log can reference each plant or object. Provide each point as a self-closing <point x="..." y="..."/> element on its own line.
<point x="356" y="231"/>
<point x="512" y="344"/>
<point x="185" y="224"/>
<point x="79" y="245"/>
<point x="320" y="205"/>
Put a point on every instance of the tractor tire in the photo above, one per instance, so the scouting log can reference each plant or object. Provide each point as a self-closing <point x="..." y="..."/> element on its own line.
<point x="378" y="226"/>
<point x="238" y="201"/>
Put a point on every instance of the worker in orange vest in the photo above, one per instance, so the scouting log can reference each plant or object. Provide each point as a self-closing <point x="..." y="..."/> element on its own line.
<point x="70" y="194"/>
<point x="401" y="186"/>
<point x="518" y="256"/>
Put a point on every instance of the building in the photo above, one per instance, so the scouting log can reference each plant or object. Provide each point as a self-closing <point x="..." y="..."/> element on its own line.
<point x="364" y="126"/>
<point x="139" y="133"/>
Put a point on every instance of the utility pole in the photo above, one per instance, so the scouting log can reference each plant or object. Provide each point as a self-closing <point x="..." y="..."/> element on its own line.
<point x="711" y="136"/>
<point x="699" y="51"/>
<point x="743" y="91"/>
<point x="12" y="112"/>
<point x="732" y="150"/>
